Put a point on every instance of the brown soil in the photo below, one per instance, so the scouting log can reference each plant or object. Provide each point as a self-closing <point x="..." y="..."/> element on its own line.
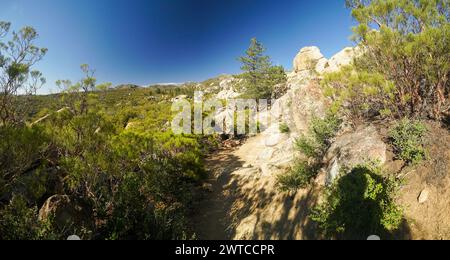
<point x="241" y="203"/>
<point x="430" y="220"/>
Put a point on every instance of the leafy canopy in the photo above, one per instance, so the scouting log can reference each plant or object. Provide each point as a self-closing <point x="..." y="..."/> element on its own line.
<point x="404" y="62"/>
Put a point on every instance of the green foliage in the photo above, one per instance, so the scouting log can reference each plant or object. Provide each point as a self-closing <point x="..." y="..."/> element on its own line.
<point x="360" y="94"/>
<point x="407" y="139"/>
<point x="297" y="178"/>
<point x="21" y="150"/>
<point x="144" y="194"/>
<point x="404" y="57"/>
<point x="18" y="54"/>
<point x="284" y="128"/>
<point x="320" y="135"/>
<point x="313" y="147"/>
<point x="259" y="75"/>
<point x="360" y="203"/>
<point x="18" y="221"/>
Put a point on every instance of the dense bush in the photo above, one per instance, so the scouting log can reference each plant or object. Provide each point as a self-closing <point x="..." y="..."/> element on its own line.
<point x="403" y="68"/>
<point x="22" y="150"/>
<point x="313" y="146"/>
<point x="144" y="194"/>
<point x="297" y="178"/>
<point x="320" y="136"/>
<point x="359" y="204"/>
<point x="360" y="95"/>
<point x="407" y="139"/>
<point x="18" y="221"/>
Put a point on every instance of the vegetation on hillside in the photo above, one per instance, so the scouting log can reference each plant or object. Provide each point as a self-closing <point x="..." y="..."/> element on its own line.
<point x="401" y="75"/>
<point x="102" y="163"/>
<point x="403" y="69"/>
<point x="407" y="140"/>
<point x="102" y="153"/>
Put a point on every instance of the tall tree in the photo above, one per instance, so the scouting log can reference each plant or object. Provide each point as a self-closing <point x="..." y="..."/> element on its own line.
<point x="259" y="74"/>
<point x="78" y="94"/>
<point x="408" y="43"/>
<point x="17" y="57"/>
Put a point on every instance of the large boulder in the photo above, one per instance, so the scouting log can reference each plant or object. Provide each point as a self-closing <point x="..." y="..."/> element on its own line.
<point x="276" y="150"/>
<point x="303" y="100"/>
<point x="354" y="148"/>
<point x="66" y="212"/>
<point x="227" y="89"/>
<point x="342" y="58"/>
<point x="309" y="59"/>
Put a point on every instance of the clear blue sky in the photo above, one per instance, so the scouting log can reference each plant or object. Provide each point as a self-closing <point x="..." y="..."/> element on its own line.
<point x="157" y="41"/>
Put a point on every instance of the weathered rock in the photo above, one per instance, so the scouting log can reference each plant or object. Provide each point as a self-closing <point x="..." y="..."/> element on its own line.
<point x="307" y="101"/>
<point x="354" y="148"/>
<point x="342" y="58"/>
<point x="227" y="89"/>
<point x="227" y="94"/>
<point x="66" y="212"/>
<point x="307" y="59"/>
<point x="272" y="136"/>
<point x="321" y="66"/>
<point x="423" y="197"/>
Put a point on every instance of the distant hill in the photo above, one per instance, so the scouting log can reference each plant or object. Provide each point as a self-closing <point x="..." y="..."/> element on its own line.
<point x="127" y="86"/>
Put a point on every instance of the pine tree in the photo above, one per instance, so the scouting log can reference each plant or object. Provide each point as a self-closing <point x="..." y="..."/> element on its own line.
<point x="259" y="74"/>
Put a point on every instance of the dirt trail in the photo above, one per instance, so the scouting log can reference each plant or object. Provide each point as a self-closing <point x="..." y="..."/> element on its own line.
<point x="212" y="221"/>
<point x="241" y="203"/>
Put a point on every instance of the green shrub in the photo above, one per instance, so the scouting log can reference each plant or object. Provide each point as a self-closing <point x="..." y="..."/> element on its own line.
<point x="21" y="151"/>
<point x="320" y="136"/>
<point x="297" y="178"/>
<point x="407" y="139"/>
<point x="18" y="221"/>
<point x="313" y="147"/>
<point x="359" y="204"/>
<point x="308" y="147"/>
<point x="284" y="128"/>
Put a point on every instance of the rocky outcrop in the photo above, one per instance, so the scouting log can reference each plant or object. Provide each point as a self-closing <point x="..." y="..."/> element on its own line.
<point x="342" y="58"/>
<point x="227" y="89"/>
<point x="351" y="149"/>
<point x="258" y="210"/>
<point x="309" y="58"/>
